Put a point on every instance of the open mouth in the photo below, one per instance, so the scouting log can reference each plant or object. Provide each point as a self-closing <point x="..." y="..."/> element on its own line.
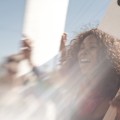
<point x="84" y="60"/>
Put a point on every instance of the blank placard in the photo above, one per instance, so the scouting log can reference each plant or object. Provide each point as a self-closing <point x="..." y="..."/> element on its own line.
<point x="44" y="24"/>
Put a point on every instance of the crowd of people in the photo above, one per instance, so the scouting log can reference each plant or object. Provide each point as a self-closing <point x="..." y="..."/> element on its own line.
<point x="87" y="80"/>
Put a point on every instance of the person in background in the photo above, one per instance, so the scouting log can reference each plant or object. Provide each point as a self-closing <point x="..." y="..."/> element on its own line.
<point x="12" y="62"/>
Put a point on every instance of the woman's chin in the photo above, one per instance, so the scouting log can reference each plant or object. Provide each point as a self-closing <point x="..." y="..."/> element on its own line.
<point x="85" y="69"/>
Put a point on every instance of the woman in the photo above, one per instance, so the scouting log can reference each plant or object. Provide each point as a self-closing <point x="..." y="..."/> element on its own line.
<point x="89" y="70"/>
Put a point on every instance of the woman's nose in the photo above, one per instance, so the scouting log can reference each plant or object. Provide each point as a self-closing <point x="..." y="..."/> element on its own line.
<point x="85" y="52"/>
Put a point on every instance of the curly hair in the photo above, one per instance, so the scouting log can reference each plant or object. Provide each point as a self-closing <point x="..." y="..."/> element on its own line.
<point x="109" y="45"/>
<point x="103" y="80"/>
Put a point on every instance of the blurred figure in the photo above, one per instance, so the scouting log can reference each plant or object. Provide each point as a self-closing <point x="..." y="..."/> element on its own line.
<point x="19" y="101"/>
<point x="13" y="61"/>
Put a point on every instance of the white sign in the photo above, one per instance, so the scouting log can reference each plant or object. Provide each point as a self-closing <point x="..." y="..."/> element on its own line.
<point x="44" y="24"/>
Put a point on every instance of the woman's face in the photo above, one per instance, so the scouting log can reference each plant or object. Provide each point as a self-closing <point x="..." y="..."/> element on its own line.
<point x="88" y="54"/>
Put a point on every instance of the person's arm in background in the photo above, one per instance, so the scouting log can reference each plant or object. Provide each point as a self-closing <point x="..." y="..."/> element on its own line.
<point x="27" y="51"/>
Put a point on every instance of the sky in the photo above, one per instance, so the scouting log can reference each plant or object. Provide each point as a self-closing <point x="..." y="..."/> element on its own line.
<point x="81" y="14"/>
<point x="84" y="14"/>
<point x="11" y="22"/>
